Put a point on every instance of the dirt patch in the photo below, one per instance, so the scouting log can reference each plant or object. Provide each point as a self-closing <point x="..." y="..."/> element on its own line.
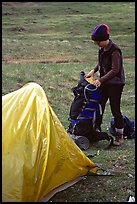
<point x="40" y="61"/>
<point x="57" y="60"/>
<point x="13" y="4"/>
<point x="129" y="58"/>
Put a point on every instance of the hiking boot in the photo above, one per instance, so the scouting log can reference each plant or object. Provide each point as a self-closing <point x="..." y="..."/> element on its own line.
<point x="118" y="139"/>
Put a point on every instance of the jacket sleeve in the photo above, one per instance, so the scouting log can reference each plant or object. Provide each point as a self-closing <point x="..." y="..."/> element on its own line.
<point x="114" y="69"/>
<point x="96" y="68"/>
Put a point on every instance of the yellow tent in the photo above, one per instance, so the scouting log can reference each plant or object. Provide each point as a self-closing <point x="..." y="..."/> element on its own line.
<point x="37" y="153"/>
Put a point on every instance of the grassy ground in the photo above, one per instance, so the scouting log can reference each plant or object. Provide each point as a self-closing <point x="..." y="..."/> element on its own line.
<point x="49" y="43"/>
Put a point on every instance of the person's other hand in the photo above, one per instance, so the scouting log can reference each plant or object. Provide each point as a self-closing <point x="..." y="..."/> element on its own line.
<point x="97" y="83"/>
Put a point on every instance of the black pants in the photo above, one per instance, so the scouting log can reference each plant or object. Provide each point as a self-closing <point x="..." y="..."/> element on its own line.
<point x="113" y="93"/>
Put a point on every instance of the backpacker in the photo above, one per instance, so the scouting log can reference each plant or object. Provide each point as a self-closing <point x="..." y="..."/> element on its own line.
<point x="83" y="111"/>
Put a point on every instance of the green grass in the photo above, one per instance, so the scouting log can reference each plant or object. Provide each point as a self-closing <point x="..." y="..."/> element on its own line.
<point x="49" y="43"/>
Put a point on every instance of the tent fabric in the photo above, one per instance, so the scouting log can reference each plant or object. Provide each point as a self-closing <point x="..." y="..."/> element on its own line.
<point x="61" y="188"/>
<point x="38" y="155"/>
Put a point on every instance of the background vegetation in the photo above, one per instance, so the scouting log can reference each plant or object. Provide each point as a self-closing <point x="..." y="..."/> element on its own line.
<point x="49" y="43"/>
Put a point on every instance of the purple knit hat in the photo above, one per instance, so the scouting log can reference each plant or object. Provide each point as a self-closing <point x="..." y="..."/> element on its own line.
<point x="100" y="33"/>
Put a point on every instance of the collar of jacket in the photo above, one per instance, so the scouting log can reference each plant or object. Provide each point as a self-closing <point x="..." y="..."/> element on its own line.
<point x="109" y="45"/>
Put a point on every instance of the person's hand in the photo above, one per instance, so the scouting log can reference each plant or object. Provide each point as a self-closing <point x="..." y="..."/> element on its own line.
<point x="90" y="74"/>
<point x="97" y="83"/>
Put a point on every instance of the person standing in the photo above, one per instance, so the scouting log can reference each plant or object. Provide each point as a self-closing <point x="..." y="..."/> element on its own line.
<point x="111" y="80"/>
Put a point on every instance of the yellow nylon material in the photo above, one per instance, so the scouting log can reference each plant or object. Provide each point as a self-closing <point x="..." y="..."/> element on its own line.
<point x="90" y="80"/>
<point x="37" y="153"/>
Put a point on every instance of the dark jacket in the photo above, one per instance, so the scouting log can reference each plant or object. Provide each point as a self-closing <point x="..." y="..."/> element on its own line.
<point x="110" y="65"/>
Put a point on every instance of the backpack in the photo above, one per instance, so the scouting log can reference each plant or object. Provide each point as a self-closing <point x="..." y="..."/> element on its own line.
<point x="86" y="100"/>
<point x="85" y="107"/>
<point x="129" y="128"/>
<point x="83" y="111"/>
